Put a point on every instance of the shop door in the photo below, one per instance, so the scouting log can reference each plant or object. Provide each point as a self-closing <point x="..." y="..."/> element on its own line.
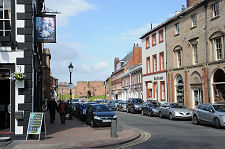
<point x="4" y="100"/>
<point x="197" y="96"/>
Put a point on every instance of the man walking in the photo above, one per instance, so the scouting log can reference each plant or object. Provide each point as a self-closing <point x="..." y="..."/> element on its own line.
<point x="52" y="107"/>
<point x="62" y="111"/>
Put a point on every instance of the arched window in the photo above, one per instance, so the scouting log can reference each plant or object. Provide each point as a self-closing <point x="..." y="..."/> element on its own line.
<point x="179" y="89"/>
<point x="219" y="86"/>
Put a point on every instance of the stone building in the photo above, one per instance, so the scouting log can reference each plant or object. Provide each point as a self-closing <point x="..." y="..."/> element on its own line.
<point x="195" y="53"/>
<point x="132" y="76"/>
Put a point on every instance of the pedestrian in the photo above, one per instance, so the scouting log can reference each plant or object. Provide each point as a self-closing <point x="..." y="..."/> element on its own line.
<point x="52" y="107"/>
<point x="62" y="107"/>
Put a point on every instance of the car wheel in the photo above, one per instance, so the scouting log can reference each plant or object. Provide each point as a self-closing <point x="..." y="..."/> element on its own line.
<point x="170" y="116"/>
<point x="160" y="114"/>
<point x="217" y="123"/>
<point x="150" y="113"/>
<point x="142" y="112"/>
<point x="132" y="110"/>
<point x="195" y="120"/>
<point x="92" y="123"/>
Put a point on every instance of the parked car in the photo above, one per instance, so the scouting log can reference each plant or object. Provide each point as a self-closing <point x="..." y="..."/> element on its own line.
<point x="134" y="105"/>
<point x="150" y="108"/>
<point x="82" y="112"/>
<point x="175" y="111"/>
<point x="99" y="115"/>
<point x="122" y="106"/>
<point x="210" y="113"/>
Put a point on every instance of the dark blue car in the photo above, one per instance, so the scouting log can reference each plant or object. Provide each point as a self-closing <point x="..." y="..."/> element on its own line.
<point x="99" y="115"/>
<point x="83" y="109"/>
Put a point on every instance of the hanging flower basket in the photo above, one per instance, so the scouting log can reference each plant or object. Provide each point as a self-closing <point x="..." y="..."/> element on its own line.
<point x="17" y="76"/>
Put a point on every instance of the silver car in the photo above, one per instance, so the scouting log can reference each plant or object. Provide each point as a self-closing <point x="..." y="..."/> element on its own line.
<point x="210" y="113"/>
<point x="175" y="111"/>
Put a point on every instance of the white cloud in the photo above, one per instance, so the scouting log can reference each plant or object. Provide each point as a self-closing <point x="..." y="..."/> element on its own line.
<point x="68" y="8"/>
<point x="131" y="35"/>
<point x="94" y="68"/>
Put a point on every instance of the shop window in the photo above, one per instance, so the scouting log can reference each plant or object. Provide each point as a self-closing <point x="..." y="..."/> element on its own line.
<point x="5" y="18"/>
<point x="179" y="89"/>
<point x="162" y="90"/>
<point x="161" y="36"/>
<point x="147" y="43"/>
<point x="216" y="9"/>
<point x="154" y="39"/>
<point x="155" y="90"/>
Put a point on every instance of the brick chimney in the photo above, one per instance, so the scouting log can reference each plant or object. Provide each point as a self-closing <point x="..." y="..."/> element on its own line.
<point x="192" y="2"/>
<point x="116" y="61"/>
<point x="137" y="55"/>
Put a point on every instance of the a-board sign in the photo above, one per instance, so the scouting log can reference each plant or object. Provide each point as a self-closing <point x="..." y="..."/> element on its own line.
<point x="35" y="123"/>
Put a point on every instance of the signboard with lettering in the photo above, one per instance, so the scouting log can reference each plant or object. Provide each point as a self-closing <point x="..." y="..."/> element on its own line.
<point x="35" y="123"/>
<point x="158" y="78"/>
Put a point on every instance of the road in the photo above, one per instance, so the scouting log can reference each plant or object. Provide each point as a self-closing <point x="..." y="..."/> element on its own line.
<point x="175" y="134"/>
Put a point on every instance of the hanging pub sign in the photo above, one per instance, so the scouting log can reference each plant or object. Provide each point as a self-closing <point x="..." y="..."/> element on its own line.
<point x="45" y="29"/>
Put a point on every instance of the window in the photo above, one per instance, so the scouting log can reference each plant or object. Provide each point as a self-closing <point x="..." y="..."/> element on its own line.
<point x="154" y="63"/>
<point x="5" y="17"/>
<point x="178" y="60"/>
<point x="177" y="30"/>
<point x="162" y="90"/>
<point x="154" y="39"/>
<point x="194" y="20"/>
<point x="195" y="54"/>
<point x="218" y="47"/>
<point x="161" y="36"/>
<point x="148" y="65"/>
<point x="216" y="9"/>
<point x="161" y="61"/>
<point x="147" y="43"/>
<point x="155" y="90"/>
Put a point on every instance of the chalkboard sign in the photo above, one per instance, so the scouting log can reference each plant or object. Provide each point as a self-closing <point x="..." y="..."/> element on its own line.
<point x="35" y="123"/>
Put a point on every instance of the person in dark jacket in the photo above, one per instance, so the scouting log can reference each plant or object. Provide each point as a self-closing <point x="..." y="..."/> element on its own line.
<point x="52" y="107"/>
<point x="62" y="107"/>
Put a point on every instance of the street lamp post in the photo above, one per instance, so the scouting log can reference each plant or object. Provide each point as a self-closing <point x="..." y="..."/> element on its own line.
<point x="70" y="70"/>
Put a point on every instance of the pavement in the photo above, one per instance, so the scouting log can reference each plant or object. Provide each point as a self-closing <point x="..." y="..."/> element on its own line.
<point x="76" y="134"/>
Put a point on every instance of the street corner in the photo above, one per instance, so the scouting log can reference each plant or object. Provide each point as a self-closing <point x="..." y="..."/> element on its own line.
<point x="124" y="137"/>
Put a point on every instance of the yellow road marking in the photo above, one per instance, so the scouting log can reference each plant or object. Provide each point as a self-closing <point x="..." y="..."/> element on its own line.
<point x="147" y="136"/>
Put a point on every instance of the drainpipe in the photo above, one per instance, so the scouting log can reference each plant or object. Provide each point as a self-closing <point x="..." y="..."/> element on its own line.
<point x="206" y="46"/>
<point x="167" y="93"/>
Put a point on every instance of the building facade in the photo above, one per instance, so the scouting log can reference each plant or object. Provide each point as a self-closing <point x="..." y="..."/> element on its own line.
<point x="108" y="93"/>
<point x="154" y="64"/>
<point x="116" y="79"/>
<point x="132" y="76"/>
<point x="195" y="61"/>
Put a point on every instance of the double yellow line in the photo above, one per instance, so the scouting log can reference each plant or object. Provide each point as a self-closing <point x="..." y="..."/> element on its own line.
<point x="147" y="136"/>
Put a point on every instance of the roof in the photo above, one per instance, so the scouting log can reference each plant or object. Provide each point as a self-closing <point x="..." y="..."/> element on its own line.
<point x="173" y="18"/>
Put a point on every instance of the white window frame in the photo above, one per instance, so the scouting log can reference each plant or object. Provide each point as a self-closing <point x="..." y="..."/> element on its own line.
<point x="194" y="20"/>
<point x="155" y="62"/>
<point x="149" y="65"/>
<point x="216" y="9"/>
<point x="3" y="20"/>
<point x="177" y="28"/>
<point x="218" y="48"/>
<point x="195" y="53"/>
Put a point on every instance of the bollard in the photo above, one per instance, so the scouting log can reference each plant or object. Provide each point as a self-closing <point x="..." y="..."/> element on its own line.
<point x="114" y="128"/>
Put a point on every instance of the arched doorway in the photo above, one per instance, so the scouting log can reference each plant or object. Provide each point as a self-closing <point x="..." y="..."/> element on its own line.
<point x="179" y="90"/>
<point x="219" y="86"/>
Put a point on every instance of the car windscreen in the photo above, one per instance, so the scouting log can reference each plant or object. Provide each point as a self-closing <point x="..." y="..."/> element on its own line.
<point x="124" y="103"/>
<point x="137" y="101"/>
<point x="101" y="108"/>
<point x="176" y="105"/>
<point x="219" y="108"/>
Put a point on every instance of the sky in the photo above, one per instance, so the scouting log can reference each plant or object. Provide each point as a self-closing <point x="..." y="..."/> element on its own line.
<point x="91" y="33"/>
